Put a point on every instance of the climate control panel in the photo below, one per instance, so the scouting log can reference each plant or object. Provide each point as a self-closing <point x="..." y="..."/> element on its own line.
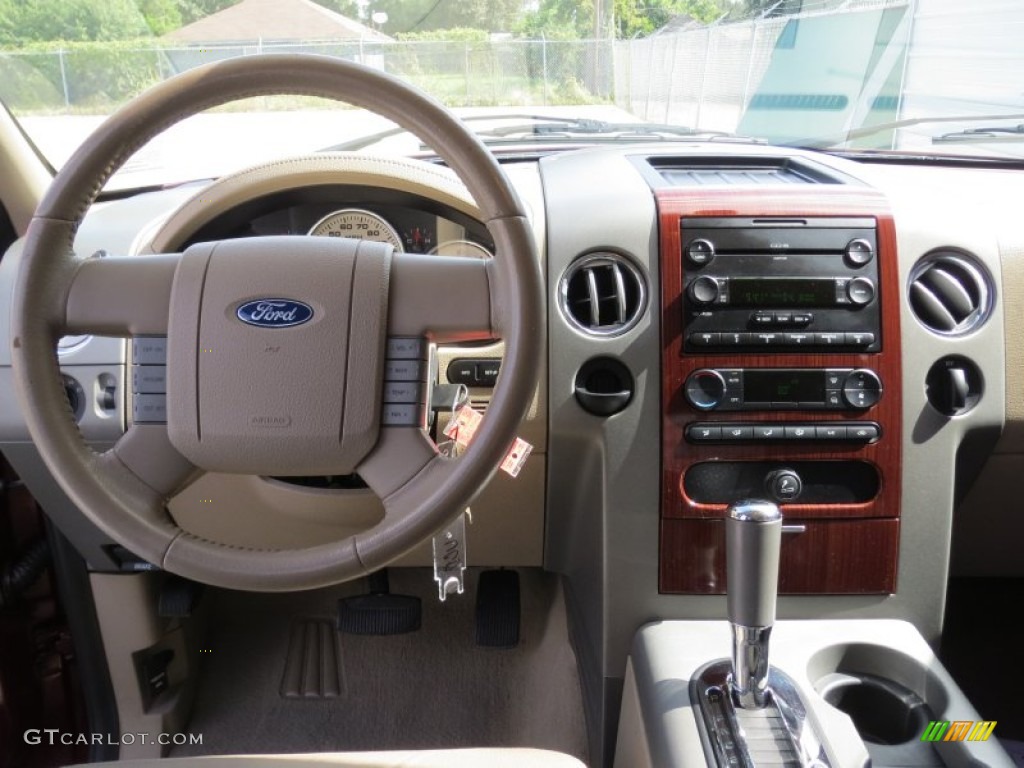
<point x="789" y="389"/>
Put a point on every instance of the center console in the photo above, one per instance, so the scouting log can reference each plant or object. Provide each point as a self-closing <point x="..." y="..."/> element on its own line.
<point x="781" y="373"/>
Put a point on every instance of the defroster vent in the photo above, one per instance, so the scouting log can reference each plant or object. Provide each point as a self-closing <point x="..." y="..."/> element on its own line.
<point x="950" y="293"/>
<point x="602" y="294"/>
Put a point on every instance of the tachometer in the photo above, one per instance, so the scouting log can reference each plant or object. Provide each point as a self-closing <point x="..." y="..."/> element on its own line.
<point x="359" y="224"/>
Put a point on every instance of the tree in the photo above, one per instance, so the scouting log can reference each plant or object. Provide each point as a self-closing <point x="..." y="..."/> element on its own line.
<point x="161" y="16"/>
<point x="424" y="15"/>
<point x="575" y="18"/>
<point x="71" y="20"/>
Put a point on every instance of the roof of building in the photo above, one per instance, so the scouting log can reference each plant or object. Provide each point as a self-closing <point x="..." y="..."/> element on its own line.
<point x="274" y="20"/>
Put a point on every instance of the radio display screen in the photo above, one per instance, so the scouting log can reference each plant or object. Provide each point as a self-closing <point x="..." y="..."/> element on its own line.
<point x="782" y="292"/>
<point x="783" y="386"/>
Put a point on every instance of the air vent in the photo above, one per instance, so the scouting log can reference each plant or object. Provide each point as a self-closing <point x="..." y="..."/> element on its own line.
<point x="602" y="294"/>
<point x="949" y="293"/>
<point x="740" y="172"/>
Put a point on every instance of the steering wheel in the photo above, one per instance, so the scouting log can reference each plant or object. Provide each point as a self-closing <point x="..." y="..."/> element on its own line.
<point x="278" y="349"/>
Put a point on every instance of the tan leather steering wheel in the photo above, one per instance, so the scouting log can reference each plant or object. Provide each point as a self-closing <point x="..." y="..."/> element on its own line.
<point x="276" y="397"/>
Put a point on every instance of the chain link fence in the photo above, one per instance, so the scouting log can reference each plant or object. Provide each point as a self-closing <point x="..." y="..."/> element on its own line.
<point x="94" y="78"/>
<point x="705" y="77"/>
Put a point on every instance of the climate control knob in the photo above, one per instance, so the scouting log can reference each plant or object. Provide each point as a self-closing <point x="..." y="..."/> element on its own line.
<point x="705" y="389"/>
<point x="703" y="290"/>
<point x="862" y="389"/>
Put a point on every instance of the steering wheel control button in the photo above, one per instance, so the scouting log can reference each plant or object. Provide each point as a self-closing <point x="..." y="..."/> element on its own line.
<point x="862" y="389"/>
<point x="149" y="350"/>
<point x="487" y="372"/>
<point x="784" y="485"/>
<point x="401" y="392"/>
<point x="149" y="379"/>
<point x="859" y="252"/>
<point x="149" y="409"/>
<point x="861" y="291"/>
<point x="463" y="372"/>
<point x="406" y="348"/>
<point x="403" y="370"/>
<point x="700" y="252"/>
<point x="402" y="415"/>
<point x="705" y="389"/>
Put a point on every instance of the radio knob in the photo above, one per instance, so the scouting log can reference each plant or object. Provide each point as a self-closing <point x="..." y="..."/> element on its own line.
<point x="862" y="389"/>
<point x="703" y="290"/>
<point x="859" y="252"/>
<point x="705" y="389"/>
<point x="700" y="252"/>
<point x="860" y="290"/>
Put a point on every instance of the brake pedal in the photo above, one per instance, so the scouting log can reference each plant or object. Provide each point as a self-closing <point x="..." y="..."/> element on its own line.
<point x="379" y="612"/>
<point x="497" y="609"/>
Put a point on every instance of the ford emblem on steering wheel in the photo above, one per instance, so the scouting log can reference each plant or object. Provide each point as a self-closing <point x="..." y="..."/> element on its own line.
<point x="274" y="313"/>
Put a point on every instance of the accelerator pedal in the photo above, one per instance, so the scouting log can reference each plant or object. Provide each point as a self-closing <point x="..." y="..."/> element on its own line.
<point x="379" y="612"/>
<point x="497" y="609"/>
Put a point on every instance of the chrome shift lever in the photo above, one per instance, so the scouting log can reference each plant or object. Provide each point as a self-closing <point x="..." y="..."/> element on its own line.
<point x="753" y="534"/>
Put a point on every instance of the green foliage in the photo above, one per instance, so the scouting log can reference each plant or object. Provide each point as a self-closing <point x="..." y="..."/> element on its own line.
<point x="90" y="75"/>
<point x="456" y="35"/>
<point x="349" y="8"/>
<point x="70" y="20"/>
<point x="193" y="10"/>
<point x="405" y="16"/>
<point x="161" y="16"/>
<point x="562" y="19"/>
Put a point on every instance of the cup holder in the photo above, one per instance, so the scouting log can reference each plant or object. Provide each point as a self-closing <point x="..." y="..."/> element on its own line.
<point x="883" y="712"/>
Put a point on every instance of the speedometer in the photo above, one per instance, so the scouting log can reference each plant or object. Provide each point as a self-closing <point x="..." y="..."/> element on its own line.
<point x="358" y="224"/>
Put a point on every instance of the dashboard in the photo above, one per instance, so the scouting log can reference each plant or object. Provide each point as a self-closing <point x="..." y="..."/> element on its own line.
<point x="409" y="223"/>
<point x="840" y="336"/>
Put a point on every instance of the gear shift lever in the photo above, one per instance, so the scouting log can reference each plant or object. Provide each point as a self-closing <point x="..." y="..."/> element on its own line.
<point x="753" y="535"/>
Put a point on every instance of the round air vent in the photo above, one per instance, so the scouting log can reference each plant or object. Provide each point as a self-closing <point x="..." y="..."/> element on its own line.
<point x="950" y="293"/>
<point x="602" y="294"/>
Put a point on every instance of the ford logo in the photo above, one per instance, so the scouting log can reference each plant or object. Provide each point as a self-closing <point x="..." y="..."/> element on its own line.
<point x="274" y="313"/>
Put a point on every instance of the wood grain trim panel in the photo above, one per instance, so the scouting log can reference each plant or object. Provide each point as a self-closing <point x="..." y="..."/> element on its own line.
<point x="830" y="557"/>
<point x="678" y="455"/>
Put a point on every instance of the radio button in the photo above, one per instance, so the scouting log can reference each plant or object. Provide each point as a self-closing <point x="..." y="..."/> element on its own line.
<point x="763" y="319"/>
<point x="798" y="339"/>
<point x="861" y="291"/>
<point x="767" y="339"/>
<point x="700" y="252"/>
<point x="769" y="432"/>
<point x="704" y="339"/>
<point x="737" y="432"/>
<point x="830" y="433"/>
<point x="784" y="318"/>
<point x="829" y="339"/>
<point x="704" y="290"/>
<point x="702" y="433"/>
<point x="801" y="432"/>
<point x="734" y="339"/>
<point x="802" y="318"/>
<point x="842" y="284"/>
<point x="859" y="252"/>
<point x="860" y="339"/>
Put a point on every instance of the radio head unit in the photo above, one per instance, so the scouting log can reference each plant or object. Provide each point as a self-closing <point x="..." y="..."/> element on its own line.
<point x="780" y="284"/>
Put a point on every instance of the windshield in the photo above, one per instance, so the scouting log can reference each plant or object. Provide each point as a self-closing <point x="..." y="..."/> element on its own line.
<point x="927" y="77"/>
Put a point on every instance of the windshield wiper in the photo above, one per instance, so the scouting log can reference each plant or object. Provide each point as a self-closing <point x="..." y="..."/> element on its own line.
<point x="987" y="133"/>
<point x="553" y="128"/>
<point x="825" y="142"/>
